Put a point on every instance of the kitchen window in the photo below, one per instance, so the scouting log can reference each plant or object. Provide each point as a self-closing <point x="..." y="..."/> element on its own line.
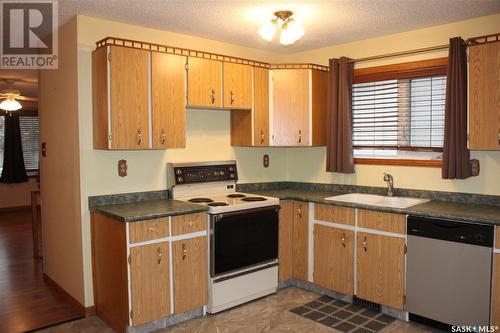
<point x="398" y="113"/>
<point x="30" y="137"/>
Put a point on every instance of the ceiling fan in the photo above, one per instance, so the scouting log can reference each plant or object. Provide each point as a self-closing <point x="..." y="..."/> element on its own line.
<point x="10" y="98"/>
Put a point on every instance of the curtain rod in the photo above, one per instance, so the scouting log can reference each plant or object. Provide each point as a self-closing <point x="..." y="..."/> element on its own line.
<point x="396" y="54"/>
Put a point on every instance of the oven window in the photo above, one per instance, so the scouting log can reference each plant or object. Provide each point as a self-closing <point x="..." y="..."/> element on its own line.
<point x="245" y="239"/>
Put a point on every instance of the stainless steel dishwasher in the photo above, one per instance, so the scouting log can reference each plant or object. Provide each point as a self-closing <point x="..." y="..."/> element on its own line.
<point x="449" y="271"/>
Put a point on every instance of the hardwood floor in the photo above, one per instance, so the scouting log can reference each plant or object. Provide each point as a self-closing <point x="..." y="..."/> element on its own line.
<point x="26" y="301"/>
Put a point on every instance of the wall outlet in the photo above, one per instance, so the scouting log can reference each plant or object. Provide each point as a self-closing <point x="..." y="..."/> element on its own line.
<point x="265" y="161"/>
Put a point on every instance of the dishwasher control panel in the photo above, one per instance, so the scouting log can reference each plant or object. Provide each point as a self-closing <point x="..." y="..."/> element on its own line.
<point x="454" y="231"/>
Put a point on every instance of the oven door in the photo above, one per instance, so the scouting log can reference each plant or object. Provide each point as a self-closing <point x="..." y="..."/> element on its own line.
<point x="242" y="239"/>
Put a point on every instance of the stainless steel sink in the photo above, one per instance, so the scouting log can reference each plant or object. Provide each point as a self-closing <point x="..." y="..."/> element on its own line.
<point x="377" y="200"/>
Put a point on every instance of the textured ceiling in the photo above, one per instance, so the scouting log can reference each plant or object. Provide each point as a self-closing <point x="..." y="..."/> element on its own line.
<point x="325" y="22"/>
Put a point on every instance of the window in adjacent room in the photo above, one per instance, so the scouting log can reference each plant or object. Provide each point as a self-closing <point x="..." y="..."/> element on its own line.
<point x="30" y="136"/>
<point x="398" y="114"/>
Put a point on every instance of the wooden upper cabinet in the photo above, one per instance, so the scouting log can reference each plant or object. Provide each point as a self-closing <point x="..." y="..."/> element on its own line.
<point x="261" y="106"/>
<point x="380" y="269"/>
<point x="237" y="87"/>
<point x="129" y="97"/>
<point x="168" y="85"/>
<point x="149" y="272"/>
<point x="298" y="107"/>
<point x="333" y="258"/>
<point x="190" y="274"/>
<point x="484" y="96"/>
<point x="204" y="86"/>
<point x="251" y="128"/>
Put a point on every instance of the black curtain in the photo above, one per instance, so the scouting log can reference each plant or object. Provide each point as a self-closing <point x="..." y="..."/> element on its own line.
<point x="13" y="170"/>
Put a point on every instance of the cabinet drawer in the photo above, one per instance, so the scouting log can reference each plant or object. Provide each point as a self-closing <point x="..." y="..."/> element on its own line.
<point x="148" y="230"/>
<point x="185" y="224"/>
<point x="342" y="215"/>
<point x="382" y="221"/>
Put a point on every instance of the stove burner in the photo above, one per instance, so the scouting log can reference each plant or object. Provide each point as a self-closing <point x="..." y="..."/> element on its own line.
<point x="254" y="199"/>
<point x="199" y="200"/>
<point x="236" y="195"/>
<point x="216" y="204"/>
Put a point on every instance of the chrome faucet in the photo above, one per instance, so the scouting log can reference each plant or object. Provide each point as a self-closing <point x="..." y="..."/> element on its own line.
<point x="390" y="184"/>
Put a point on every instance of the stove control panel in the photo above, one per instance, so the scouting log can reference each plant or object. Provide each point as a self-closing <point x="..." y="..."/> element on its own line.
<point x="186" y="174"/>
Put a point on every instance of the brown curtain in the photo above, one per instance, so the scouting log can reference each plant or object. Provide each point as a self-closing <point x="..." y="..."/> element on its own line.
<point x="456" y="157"/>
<point x="339" y="117"/>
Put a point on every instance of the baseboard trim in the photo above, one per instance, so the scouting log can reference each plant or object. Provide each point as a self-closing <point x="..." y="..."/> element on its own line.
<point x="84" y="311"/>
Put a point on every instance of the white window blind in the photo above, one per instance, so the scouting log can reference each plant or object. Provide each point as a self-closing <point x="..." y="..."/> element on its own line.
<point x="401" y="114"/>
<point x="30" y="138"/>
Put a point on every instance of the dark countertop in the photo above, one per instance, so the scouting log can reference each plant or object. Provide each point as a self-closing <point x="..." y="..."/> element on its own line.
<point x="145" y="210"/>
<point x="468" y="212"/>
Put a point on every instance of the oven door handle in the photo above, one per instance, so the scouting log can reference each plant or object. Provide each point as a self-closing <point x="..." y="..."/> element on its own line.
<point x="218" y="217"/>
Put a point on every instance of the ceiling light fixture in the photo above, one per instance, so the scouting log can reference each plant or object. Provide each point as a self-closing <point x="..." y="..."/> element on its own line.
<point x="10" y="104"/>
<point x="291" y="31"/>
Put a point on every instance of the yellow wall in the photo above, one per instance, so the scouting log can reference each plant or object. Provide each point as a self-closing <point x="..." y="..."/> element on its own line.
<point x="17" y="195"/>
<point x="309" y="164"/>
<point x="60" y="170"/>
<point x="208" y="131"/>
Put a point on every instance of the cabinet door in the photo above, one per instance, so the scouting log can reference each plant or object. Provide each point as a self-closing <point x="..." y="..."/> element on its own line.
<point x="495" y="315"/>
<point x="237" y="86"/>
<point x="333" y="258"/>
<point x="285" y="241"/>
<point x="380" y="269"/>
<point x="484" y="96"/>
<point x="204" y="82"/>
<point x="290" y="107"/>
<point x="190" y="273"/>
<point x="300" y="240"/>
<point x="149" y="269"/>
<point x="129" y="93"/>
<point x="261" y="106"/>
<point x="168" y="85"/>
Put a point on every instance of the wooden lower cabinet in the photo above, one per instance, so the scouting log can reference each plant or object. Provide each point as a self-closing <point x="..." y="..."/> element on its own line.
<point x="300" y="242"/>
<point x="333" y="258"/>
<point x="285" y="241"/>
<point x="149" y="271"/>
<point x="380" y="269"/>
<point x="495" y="313"/>
<point x="293" y="241"/>
<point x="190" y="273"/>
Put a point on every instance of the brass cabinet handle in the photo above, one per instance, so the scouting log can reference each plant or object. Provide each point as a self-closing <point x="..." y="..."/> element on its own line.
<point x="151" y="229"/>
<point x="138" y="137"/>
<point x="299" y="212"/>
<point x="365" y="245"/>
<point x="163" y="137"/>
<point x="343" y="239"/>
<point x="184" y="251"/>
<point x="498" y="136"/>
<point x="261" y="136"/>
<point x="213" y="96"/>
<point x="159" y="255"/>
<point x="300" y="136"/>
<point x="232" y="97"/>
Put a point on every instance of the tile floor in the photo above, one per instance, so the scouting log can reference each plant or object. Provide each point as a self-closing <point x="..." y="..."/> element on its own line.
<point x="269" y="314"/>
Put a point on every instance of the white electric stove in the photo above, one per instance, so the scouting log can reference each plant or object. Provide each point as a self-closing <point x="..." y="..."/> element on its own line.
<point x="242" y="229"/>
